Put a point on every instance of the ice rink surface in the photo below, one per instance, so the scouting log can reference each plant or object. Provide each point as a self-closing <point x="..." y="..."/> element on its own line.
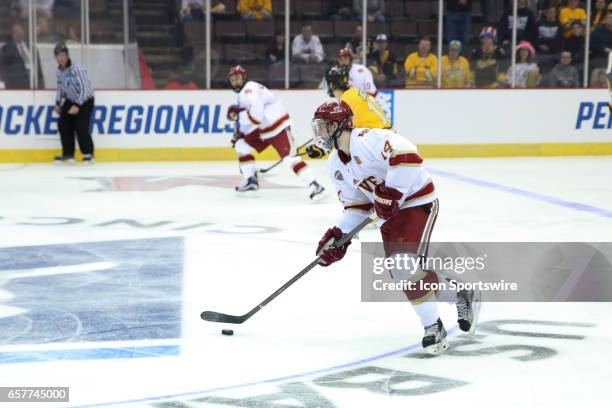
<point x="104" y="271"/>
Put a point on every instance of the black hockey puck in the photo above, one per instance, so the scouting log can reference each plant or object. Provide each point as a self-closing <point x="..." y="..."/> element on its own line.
<point x="227" y="332"/>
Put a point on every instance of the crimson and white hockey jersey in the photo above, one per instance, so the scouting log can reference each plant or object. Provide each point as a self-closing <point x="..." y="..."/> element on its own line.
<point x="263" y="110"/>
<point x="361" y="77"/>
<point x="377" y="155"/>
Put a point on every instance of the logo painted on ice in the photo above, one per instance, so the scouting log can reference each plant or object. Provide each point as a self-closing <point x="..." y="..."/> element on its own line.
<point x="94" y="300"/>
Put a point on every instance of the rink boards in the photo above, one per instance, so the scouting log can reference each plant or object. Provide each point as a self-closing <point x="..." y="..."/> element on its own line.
<point x="191" y="125"/>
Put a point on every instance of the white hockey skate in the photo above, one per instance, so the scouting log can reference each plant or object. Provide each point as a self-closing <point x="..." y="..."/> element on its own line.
<point x="316" y="191"/>
<point x="249" y="184"/>
<point x="468" y="308"/>
<point x="434" y="340"/>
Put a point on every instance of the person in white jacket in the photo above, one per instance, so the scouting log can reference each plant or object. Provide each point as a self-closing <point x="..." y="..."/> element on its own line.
<point x="307" y="47"/>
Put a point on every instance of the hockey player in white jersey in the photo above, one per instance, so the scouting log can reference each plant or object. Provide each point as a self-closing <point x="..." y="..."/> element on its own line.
<point x="359" y="75"/>
<point x="262" y="121"/>
<point x="379" y="170"/>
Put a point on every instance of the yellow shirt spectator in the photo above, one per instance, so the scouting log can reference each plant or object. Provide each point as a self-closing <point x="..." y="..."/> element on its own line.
<point x="255" y="9"/>
<point x="567" y="15"/>
<point x="366" y="112"/>
<point x="420" y="71"/>
<point x="456" y="73"/>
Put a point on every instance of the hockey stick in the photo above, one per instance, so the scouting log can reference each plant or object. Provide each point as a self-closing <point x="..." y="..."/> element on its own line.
<point x="281" y="160"/>
<point x="225" y="318"/>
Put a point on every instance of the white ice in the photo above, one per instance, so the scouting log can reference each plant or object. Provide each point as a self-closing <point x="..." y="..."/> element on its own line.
<point x="237" y="250"/>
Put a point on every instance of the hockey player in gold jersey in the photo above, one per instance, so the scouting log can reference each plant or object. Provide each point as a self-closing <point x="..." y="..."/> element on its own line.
<point x="366" y="112"/>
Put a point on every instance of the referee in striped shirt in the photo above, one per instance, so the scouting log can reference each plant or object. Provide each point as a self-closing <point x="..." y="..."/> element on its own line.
<point x="74" y="104"/>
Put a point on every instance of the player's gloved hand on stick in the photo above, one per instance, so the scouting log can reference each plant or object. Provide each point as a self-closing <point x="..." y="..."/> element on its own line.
<point x="386" y="201"/>
<point x="327" y="252"/>
<point x="235" y="136"/>
<point x="315" y="152"/>
<point x="233" y="112"/>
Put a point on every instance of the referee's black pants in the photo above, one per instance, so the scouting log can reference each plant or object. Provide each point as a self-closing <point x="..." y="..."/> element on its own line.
<point x="70" y="124"/>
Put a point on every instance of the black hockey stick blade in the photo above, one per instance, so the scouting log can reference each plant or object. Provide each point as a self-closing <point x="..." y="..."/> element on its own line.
<point x="224" y="318"/>
<point x="221" y="317"/>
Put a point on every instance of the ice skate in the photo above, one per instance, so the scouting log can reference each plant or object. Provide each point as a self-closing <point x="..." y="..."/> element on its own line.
<point x="468" y="307"/>
<point x="316" y="191"/>
<point x="249" y="184"/>
<point x="434" y="340"/>
<point x="63" y="160"/>
<point x="88" y="159"/>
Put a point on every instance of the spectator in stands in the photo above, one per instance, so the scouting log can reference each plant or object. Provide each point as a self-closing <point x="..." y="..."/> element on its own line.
<point x="177" y="80"/>
<point x="575" y="42"/>
<point x="306" y="47"/>
<point x="570" y="14"/>
<point x="599" y="79"/>
<point x="549" y="33"/>
<point x="355" y="44"/>
<point x="455" y="68"/>
<point x="383" y="63"/>
<point x="339" y="9"/>
<point x="601" y="40"/>
<point x="488" y="63"/>
<point x="564" y="75"/>
<point x="527" y="72"/>
<point x="375" y="10"/>
<point x="598" y="14"/>
<point x="421" y="66"/>
<point x="16" y="60"/>
<point x="525" y="27"/>
<point x="458" y="20"/>
<point x="255" y="9"/>
<point x="549" y="38"/>
<point x="44" y="15"/>
<point x="196" y="9"/>
<point x="276" y="49"/>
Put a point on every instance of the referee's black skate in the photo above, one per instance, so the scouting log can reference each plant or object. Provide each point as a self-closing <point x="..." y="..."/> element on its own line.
<point x="250" y="184"/>
<point x="468" y="308"/>
<point x="434" y="339"/>
<point x="88" y="159"/>
<point x="61" y="159"/>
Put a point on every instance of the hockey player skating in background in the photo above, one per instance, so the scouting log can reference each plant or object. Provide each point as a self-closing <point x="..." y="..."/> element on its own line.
<point x="377" y="169"/>
<point x="262" y="121"/>
<point x="366" y="112"/>
<point x="360" y="76"/>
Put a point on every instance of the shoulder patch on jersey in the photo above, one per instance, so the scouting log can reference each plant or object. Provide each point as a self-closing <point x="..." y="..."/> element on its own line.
<point x="248" y="91"/>
<point x="358" y="160"/>
<point x="338" y="175"/>
<point x="363" y="132"/>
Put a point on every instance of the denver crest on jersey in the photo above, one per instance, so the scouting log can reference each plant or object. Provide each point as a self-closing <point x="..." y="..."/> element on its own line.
<point x="378" y="155"/>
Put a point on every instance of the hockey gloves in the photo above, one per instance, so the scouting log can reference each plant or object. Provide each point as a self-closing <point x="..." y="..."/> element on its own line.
<point x="326" y="250"/>
<point x="386" y="201"/>
<point x="233" y="111"/>
<point x="315" y="152"/>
